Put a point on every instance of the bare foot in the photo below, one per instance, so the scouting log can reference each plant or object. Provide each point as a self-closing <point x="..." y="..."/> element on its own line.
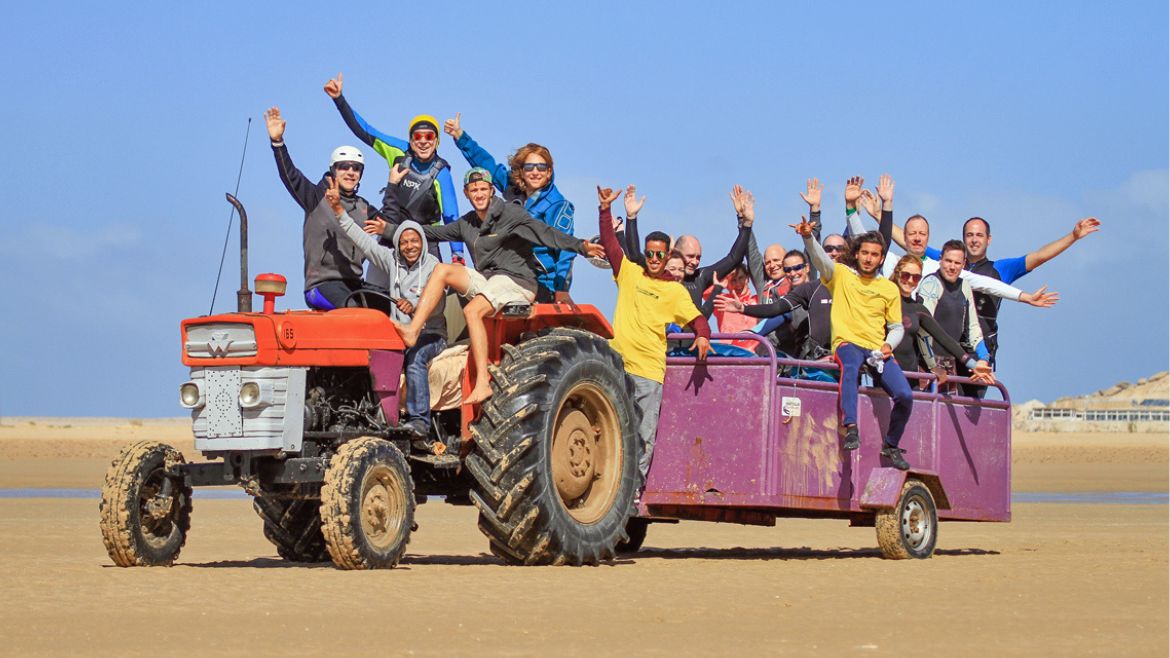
<point x="479" y="394"/>
<point x="409" y="334"/>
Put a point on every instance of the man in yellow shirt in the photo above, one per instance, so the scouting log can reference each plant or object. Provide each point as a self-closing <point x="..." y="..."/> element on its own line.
<point x="867" y="326"/>
<point x="648" y="300"/>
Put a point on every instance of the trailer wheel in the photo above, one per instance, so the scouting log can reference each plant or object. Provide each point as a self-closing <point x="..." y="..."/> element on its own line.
<point x="145" y="515"/>
<point x="367" y="505"/>
<point x="294" y="527"/>
<point x="910" y="529"/>
<point x="636" y="530"/>
<point x="556" y="448"/>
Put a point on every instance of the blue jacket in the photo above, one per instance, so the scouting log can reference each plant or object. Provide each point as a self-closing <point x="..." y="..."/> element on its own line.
<point x="556" y="265"/>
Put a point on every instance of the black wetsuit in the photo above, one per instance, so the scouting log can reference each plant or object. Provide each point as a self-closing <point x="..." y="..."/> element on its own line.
<point x="809" y="336"/>
<point x="912" y="353"/>
<point x="704" y="277"/>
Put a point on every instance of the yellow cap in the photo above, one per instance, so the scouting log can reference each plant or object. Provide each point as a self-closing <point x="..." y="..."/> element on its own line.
<point x="424" y="118"/>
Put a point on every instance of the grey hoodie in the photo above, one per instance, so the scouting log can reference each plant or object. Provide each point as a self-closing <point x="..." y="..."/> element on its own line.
<point x="390" y="272"/>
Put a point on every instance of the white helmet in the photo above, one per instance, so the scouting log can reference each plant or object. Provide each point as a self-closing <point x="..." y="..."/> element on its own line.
<point x="347" y="154"/>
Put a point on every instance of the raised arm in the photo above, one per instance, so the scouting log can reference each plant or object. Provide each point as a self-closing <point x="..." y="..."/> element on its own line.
<point x="996" y="288"/>
<point x="723" y="267"/>
<point x="816" y="253"/>
<point x="609" y="241"/>
<point x="306" y="193"/>
<point x="476" y="155"/>
<point x="812" y="196"/>
<point x="1055" y="248"/>
<point x="755" y="260"/>
<point x="633" y="242"/>
<point x="853" y="225"/>
<point x="357" y="125"/>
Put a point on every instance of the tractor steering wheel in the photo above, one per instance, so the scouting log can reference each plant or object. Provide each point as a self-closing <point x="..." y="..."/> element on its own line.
<point x="379" y="301"/>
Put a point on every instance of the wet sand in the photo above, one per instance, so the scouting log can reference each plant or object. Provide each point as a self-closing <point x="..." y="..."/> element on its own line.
<point x="1061" y="579"/>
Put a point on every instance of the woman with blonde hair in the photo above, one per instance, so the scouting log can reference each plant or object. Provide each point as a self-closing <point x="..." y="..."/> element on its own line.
<point x="528" y="179"/>
<point x="915" y="353"/>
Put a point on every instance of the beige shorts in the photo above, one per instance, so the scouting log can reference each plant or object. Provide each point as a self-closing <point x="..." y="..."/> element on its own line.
<point x="500" y="290"/>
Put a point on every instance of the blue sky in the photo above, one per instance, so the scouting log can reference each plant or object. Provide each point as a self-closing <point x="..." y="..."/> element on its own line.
<point x="122" y="129"/>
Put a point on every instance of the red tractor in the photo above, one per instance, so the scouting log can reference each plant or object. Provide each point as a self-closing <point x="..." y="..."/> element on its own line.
<point x="301" y="409"/>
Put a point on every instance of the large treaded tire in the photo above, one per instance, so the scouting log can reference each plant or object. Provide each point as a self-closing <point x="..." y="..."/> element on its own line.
<point x="910" y="529"/>
<point x="367" y="505"/>
<point x="140" y="528"/>
<point x="566" y="388"/>
<point x="636" y="531"/>
<point x="293" y="527"/>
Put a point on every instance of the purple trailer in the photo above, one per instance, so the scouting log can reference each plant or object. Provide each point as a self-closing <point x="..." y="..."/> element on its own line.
<point x="738" y="442"/>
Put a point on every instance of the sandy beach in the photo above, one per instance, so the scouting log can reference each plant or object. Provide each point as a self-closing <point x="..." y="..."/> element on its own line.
<point x="1060" y="579"/>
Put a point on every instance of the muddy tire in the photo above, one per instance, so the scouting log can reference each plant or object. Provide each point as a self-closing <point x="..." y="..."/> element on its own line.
<point x="555" y="457"/>
<point x="293" y="527"/>
<point x="367" y="505"/>
<point x="910" y="529"/>
<point x="636" y="531"/>
<point x="141" y="525"/>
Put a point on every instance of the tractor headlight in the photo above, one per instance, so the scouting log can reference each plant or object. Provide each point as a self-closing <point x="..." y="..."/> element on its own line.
<point x="249" y="395"/>
<point x="191" y="395"/>
<point x="257" y="394"/>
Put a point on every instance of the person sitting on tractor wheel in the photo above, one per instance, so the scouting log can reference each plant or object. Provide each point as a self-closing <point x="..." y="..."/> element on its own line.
<point x="528" y="179"/>
<point x="407" y="270"/>
<point x="333" y="264"/>
<point x="501" y="236"/>
<point x="426" y="193"/>
<point x="867" y="327"/>
<point x="648" y="300"/>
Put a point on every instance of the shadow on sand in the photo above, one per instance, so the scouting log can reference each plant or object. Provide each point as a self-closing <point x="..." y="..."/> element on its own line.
<point x="802" y="553"/>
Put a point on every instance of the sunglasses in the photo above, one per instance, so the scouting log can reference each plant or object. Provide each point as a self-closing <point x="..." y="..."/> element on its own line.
<point x="656" y="255"/>
<point x="834" y="247"/>
<point x="535" y="166"/>
<point x="423" y="136"/>
<point x="348" y="166"/>
<point x="910" y="278"/>
<point x="793" y="268"/>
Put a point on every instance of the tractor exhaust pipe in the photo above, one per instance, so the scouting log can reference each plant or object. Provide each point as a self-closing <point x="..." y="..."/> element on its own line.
<point x="243" y="295"/>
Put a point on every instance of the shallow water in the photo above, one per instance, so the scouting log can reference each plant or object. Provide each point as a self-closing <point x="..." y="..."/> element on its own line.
<point x="1087" y="497"/>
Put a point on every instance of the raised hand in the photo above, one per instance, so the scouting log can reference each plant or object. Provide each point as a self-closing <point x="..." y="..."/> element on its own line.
<point x="805" y="228"/>
<point x="812" y="195"/>
<point x="333" y="196"/>
<point x="726" y="303"/>
<point x="275" y="124"/>
<point x="375" y="226"/>
<point x="853" y="191"/>
<point x="453" y="127"/>
<point x="397" y="173"/>
<point x="871" y="204"/>
<point x="633" y="203"/>
<point x="333" y="87"/>
<point x="1086" y="226"/>
<point x="606" y="196"/>
<point x="885" y="191"/>
<point x="1040" y="298"/>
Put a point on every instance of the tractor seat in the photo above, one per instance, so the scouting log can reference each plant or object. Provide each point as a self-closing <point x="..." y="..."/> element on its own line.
<point x="516" y="310"/>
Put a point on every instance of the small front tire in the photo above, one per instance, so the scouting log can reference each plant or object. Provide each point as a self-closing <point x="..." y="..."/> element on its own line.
<point x="367" y="505"/>
<point x="145" y="514"/>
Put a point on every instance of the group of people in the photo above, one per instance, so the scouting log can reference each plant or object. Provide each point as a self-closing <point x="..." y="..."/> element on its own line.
<point x="843" y="297"/>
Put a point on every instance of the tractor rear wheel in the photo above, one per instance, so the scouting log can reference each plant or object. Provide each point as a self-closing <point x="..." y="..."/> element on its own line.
<point x="636" y="530"/>
<point x="367" y="505"/>
<point x="555" y="456"/>
<point x="145" y="514"/>
<point x="293" y="526"/>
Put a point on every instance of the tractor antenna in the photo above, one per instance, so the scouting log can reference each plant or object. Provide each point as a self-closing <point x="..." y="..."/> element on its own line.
<point x="231" y="216"/>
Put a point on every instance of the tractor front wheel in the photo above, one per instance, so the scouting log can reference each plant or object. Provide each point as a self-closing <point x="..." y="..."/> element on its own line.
<point x="145" y="514"/>
<point x="367" y="505"/>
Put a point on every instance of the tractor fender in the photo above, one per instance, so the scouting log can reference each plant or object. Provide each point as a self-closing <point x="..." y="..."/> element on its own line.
<point x="884" y="486"/>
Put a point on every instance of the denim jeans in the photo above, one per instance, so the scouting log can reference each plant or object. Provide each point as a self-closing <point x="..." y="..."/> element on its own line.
<point x="850" y="357"/>
<point x="418" y="390"/>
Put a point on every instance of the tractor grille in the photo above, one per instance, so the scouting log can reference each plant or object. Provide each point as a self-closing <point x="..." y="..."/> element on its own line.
<point x="222" y="424"/>
<point x="220" y="340"/>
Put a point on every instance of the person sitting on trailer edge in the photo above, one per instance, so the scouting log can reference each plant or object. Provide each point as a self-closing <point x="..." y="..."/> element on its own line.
<point x="333" y="264"/>
<point x="867" y="326"/>
<point x="648" y="300"/>
<point x="501" y="236"/>
<point x="407" y="269"/>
